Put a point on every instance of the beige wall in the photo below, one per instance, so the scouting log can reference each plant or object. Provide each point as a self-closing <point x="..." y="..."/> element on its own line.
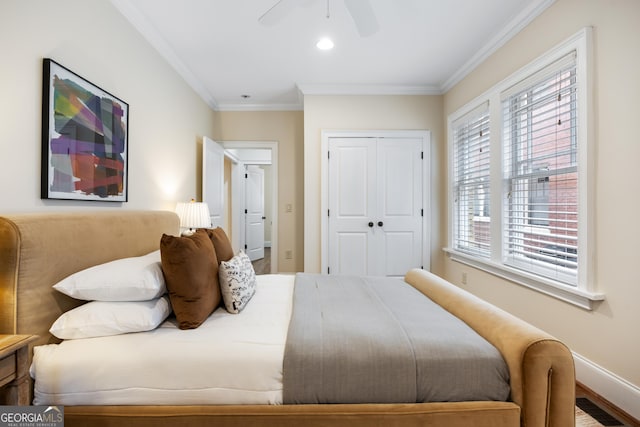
<point x="166" y="118"/>
<point x="608" y="335"/>
<point x="386" y="112"/>
<point x="285" y="127"/>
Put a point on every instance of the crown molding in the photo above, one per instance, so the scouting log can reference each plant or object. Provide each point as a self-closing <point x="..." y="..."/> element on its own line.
<point x="337" y="89"/>
<point x="148" y="31"/>
<point x="520" y="21"/>
<point x="260" y="107"/>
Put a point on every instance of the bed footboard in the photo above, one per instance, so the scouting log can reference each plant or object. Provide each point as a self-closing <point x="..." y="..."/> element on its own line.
<point x="542" y="374"/>
<point x="449" y="414"/>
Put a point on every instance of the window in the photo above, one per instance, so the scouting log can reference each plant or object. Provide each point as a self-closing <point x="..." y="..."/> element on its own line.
<point x="521" y="187"/>
<point x="540" y="228"/>
<point x="471" y="182"/>
<point x="539" y="201"/>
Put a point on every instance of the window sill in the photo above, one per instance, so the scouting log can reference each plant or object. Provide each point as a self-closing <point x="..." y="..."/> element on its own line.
<point x="575" y="296"/>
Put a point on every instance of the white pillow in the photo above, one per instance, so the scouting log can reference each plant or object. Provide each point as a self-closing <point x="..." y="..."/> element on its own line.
<point x="127" y="279"/>
<point x="237" y="282"/>
<point x="104" y="318"/>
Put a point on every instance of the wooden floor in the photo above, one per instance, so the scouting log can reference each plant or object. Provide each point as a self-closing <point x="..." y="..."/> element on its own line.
<point x="628" y="420"/>
<point x="263" y="266"/>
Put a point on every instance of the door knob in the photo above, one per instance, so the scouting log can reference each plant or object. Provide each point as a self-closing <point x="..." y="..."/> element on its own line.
<point x="370" y="224"/>
<point x="380" y="223"/>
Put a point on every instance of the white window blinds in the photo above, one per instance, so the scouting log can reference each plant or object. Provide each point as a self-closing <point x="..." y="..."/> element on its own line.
<point x="540" y="223"/>
<point x="471" y="158"/>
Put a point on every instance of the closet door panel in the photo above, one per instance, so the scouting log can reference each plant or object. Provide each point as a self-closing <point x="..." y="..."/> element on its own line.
<point x="399" y="207"/>
<point x="352" y="253"/>
<point x="352" y="202"/>
<point x="398" y="253"/>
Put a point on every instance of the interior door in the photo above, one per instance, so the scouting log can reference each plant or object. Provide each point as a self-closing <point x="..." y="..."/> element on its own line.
<point x="398" y="221"/>
<point x="254" y="222"/>
<point x="213" y="180"/>
<point x="352" y="205"/>
<point x="375" y="206"/>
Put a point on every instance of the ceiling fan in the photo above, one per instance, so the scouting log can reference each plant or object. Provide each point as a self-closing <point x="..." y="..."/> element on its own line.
<point x="360" y="10"/>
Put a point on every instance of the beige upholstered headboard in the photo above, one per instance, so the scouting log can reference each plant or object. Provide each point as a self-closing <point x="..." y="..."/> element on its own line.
<point x="38" y="250"/>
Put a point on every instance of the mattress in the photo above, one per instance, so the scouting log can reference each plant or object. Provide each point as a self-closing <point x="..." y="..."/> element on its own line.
<point x="229" y="359"/>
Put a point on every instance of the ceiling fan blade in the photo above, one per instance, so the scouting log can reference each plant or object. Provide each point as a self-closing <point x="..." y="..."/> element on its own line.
<point x="278" y="11"/>
<point x="363" y="16"/>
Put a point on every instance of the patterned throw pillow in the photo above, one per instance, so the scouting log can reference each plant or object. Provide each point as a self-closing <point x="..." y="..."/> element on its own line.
<point x="237" y="282"/>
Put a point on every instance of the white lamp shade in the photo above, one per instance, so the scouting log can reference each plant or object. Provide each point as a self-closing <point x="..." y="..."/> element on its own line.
<point x="194" y="215"/>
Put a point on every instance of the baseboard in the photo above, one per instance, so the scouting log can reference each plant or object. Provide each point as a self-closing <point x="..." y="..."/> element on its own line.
<point x="616" y="390"/>
<point x="267" y="243"/>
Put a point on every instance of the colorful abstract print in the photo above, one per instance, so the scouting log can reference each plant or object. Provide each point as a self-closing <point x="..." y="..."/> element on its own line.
<point x="88" y="147"/>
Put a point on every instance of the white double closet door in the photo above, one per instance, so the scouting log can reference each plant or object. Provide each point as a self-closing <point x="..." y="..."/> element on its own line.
<point x="375" y="205"/>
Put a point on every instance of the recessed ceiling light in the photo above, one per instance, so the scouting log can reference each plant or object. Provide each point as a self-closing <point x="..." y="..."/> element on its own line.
<point x="325" y="43"/>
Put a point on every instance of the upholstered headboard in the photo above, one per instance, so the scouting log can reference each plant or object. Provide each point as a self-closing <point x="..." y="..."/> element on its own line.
<point x="38" y="250"/>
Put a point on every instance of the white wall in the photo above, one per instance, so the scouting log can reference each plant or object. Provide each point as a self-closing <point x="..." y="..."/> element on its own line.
<point x="166" y="118"/>
<point x="363" y="113"/>
<point x="606" y="337"/>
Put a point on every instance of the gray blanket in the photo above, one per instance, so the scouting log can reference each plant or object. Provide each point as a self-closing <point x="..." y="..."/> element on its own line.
<point x="379" y="340"/>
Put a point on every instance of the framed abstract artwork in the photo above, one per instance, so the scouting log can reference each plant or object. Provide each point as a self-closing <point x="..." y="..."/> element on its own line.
<point x="84" y="139"/>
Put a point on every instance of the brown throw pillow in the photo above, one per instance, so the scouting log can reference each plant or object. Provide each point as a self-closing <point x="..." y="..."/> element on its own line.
<point x="221" y="243"/>
<point x="190" y="270"/>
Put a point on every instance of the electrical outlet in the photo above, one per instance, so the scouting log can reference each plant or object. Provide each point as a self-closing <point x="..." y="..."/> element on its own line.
<point x="288" y="208"/>
<point x="464" y="278"/>
<point x="288" y="254"/>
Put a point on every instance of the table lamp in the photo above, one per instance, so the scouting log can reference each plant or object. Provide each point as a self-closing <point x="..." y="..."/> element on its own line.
<point x="193" y="215"/>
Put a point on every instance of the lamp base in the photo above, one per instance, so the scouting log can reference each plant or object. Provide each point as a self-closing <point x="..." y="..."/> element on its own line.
<point x="189" y="232"/>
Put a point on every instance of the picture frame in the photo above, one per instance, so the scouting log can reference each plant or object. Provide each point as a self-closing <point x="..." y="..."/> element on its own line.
<point x="85" y="142"/>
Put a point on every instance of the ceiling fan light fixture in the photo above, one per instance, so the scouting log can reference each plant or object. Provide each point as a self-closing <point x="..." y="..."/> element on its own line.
<point x="325" y="43"/>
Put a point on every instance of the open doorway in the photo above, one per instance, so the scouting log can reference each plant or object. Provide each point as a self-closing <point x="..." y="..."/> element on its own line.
<point x="243" y="157"/>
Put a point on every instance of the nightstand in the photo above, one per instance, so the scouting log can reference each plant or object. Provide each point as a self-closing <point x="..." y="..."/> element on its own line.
<point x="14" y="369"/>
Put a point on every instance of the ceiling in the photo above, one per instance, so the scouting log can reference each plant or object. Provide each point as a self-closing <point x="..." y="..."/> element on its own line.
<point x="422" y="46"/>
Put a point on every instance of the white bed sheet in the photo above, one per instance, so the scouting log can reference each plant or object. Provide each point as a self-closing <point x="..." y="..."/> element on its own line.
<point x="229" y="359"/>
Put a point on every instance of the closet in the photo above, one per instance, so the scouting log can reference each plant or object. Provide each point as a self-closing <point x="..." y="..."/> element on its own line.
<point x="376" y="203"/>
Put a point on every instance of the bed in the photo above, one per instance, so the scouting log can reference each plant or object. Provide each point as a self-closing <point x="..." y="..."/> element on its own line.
<point x="38" y="250"/>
